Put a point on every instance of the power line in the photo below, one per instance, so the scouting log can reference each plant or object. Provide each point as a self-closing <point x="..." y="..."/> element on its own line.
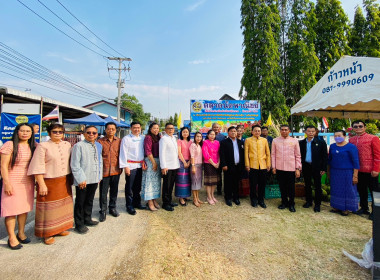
<point x="40" y="84"/>
<point x="80" y="34"/>
<point x="44" y="71"/>
<point x="59" y="29"/>
<point x="89" y="29"/>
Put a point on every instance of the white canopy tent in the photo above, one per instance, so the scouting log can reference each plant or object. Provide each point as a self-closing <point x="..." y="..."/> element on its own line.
<point x="350" y="89"/>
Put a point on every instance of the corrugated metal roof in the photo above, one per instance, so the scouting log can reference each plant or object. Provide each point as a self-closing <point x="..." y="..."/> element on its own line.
<point x="22" y="94"/>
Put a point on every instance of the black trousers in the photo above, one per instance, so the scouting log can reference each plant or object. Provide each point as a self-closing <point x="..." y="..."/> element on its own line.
<point x="365" y="181"/>
<point x="220" y="183"/>
<point x="231" y="182"/>
<point x="257" y="177"/>
<point x="168" y="185"/>
<point x="84" y="200"/>
<point x="111" y="183"/>
<point x="309" y="174"/>
<point x="287" y="180"/>
<point x="133" y="188"/>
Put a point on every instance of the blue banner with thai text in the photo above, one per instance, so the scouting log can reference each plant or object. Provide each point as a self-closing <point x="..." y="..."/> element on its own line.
<point x="10" y="121"/>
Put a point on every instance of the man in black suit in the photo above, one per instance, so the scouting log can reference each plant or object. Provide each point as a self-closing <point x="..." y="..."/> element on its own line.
<point x="232" y="162"/>
<point x="314" y="165"/>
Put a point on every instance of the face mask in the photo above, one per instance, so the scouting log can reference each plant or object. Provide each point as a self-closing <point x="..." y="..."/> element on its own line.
<point x="339" y="139"/>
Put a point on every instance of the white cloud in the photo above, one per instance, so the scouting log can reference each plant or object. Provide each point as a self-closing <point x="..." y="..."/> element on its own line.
<point x="199" y="61"/>
<point x="195" y="6"/>
<point x="68" y="59"/>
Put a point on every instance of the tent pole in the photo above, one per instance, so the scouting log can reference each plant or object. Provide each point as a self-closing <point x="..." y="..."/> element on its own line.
<point x="291" y="124"/>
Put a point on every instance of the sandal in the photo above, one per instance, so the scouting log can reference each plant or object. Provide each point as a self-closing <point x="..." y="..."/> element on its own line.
<point x="49" y="240"/>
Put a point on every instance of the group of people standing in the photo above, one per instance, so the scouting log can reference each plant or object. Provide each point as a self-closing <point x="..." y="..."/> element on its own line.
<point x="154" y="164"/>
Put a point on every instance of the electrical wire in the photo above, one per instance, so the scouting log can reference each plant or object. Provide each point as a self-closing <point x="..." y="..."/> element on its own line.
<point x="59" y="29"/>
<point x="89" y="29"/>
<point x="13" y="55"/>
<point x="40" y="84"/>
<point x="80" y="34"/>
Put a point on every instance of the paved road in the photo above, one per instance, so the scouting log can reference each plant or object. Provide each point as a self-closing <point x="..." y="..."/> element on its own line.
<point x="90" y="256"/>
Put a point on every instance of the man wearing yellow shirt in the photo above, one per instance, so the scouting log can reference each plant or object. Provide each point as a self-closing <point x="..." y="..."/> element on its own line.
<point x="257" y="162"/>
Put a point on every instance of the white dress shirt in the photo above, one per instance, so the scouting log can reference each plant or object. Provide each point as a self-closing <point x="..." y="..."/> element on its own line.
<point x="131" y="149"/>
<point x="236" y="151"/>
<point x="168" y="152"/>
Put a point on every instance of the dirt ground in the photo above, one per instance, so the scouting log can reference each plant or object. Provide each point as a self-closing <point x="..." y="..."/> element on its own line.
<point x="241" y="242"/>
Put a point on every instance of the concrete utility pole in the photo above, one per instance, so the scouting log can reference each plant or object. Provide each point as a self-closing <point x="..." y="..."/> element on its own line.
<point x="120" y="82"/>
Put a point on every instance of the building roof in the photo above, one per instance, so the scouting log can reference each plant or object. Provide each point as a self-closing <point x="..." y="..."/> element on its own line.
<point x="226" y="97"/>
<point x="106" y="102"/>
<point x="11" y="95"/>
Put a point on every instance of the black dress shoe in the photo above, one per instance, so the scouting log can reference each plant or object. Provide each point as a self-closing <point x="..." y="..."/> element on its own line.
<point x="262" y="204"/>
<point x="370" y="217"/>
<point x="361" y="212"/>
<point x="82" y="229"/>
<point x="167" y="207"/>
<point x="183" y="204"/>
<point x="102" y="216"/>
<point x="282" y="206"/>
<point x="173" y="204"/>
<point x="91" y="223"/>
<point x="17" y="247"/>
<point x="307" y="205"/>
<point x="292" y="209"/>
<point x="229" y="202"/>
<point x="140" y="207"/>
<point x="237" y="201"/>
<point x="114" y="213"/>
<point x="25" y="241"/>
<point x="254" y="203"/>
<point x="317" y="208"/>
<point x="131" y="210"/>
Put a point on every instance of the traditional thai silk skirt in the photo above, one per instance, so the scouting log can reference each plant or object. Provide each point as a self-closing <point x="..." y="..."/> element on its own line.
<point x="182" y="182"/>
<point x="54" y="212"/>
<point x="211" y="176"/>
<point x="196" y="179"/>
<point x="151" y="181"/>
<point x="343" y="192"/>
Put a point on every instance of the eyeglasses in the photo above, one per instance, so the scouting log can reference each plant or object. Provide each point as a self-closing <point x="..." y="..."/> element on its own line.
<point x="91" y="132"/>
<point x="358" y="126"/>
<point x="57" y="132"/>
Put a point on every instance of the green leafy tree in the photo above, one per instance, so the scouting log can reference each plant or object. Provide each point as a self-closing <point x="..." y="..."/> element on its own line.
<point x="358" y="34"/>
<point x="175" y="119"/>
<point x="332" y="30"/>
<point x="162" y="123"/>
<point x="262" y="76"/>
<point x="372" y="37"/>
<point x="302" y="61"/>
<point x="131" y="102"/>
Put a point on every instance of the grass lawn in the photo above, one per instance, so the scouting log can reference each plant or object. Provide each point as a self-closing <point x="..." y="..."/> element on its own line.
<point x="242" y="242"/>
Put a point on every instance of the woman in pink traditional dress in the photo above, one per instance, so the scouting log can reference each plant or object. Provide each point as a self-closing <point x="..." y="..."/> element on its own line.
<point x="18" y="188"/>
<point x="196" y="167"/>
<point x="182" y="183"/>
<point x="210" y="150"/>
<point x="51" y="169"/>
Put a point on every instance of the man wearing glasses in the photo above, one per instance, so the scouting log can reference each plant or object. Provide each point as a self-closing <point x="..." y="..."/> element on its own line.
<point x="168" y="153"/>
<point x="111" y="171"/>
<point x="131" y="160"/>
<point x="369" y="159"/>
<point x="87" y="168"/>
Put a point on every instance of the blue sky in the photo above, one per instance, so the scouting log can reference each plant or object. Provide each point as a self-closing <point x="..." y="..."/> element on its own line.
<point x="181" y="50"/>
